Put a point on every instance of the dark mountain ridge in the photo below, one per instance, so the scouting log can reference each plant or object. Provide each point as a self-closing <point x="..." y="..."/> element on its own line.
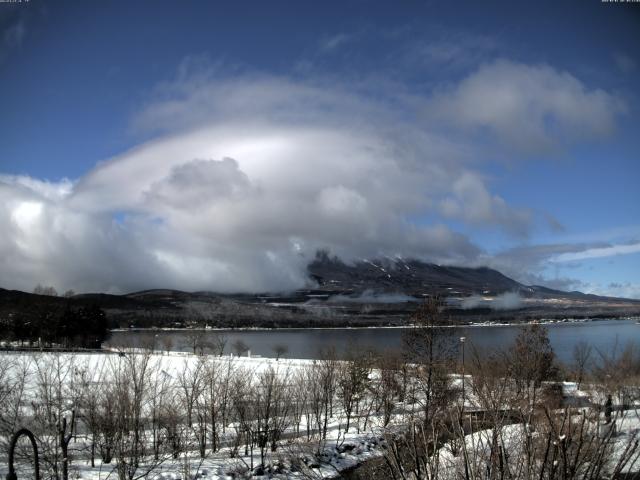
<point x="383" y="291"/>
<point x="417" y="278"/>
<point x="411" y="277"/>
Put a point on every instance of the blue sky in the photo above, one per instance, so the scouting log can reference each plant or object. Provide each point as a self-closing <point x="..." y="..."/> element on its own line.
<point x="493" y="133"/>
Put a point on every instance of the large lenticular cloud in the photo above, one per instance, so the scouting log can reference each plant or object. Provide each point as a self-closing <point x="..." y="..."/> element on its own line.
<point x="245" y="181"/>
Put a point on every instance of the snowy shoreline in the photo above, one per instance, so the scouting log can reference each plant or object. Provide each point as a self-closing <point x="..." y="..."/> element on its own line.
<point x="381" y="327"/>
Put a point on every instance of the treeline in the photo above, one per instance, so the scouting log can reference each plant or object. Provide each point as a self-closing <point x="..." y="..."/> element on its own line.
<point x="179" y="320"/>
<point x="55" y="325"/>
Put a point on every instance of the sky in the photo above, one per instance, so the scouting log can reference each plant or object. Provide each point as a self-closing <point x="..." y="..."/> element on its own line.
<point x="218" y="145"/>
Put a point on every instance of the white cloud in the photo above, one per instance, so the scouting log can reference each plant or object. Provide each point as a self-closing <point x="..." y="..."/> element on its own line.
<point x="46" y="241"/>
<point x="471" y="201"/>
<point x="332" y="42"/>
<point x="452" y="50"/>
<point x="26" y="214"/>
<point x="597" y="252"/>
<point x="198" y="184"/>
<point x="624" y="62"/>
<point x="504" y="301"/>
<point x="236" y="205"/>
<point x="613" y="289"/>
<point x="543" y="264"/>
<point x="14" y="35"/>
<point x="247" y="177"/>
<point x="530" y="108"/>
<point x="339" y="201"/>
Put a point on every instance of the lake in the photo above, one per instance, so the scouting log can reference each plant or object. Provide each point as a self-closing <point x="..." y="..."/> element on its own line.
<point x="603" y="335"/>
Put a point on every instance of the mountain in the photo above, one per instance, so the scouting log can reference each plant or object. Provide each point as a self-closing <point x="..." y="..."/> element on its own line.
<point x="365" y="292"/>
<point x="411" y="277"/>
<point x="417" y="278"/>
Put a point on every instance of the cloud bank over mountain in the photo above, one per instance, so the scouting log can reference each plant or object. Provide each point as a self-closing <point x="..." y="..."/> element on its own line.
<point x="247" y="175"/>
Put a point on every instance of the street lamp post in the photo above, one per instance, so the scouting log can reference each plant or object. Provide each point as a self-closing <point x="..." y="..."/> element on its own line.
<point x="462" y="342"/>
<point x="466" y="463"/>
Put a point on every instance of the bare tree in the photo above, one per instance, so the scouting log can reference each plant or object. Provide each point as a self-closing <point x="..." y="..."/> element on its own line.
<point x="189" y="382"/>
<point x="160" y="389"/>
<point x="582" y="352"/>
<point x="42" y="290"/>
<point x="194" y="431"/>
<point x="353" y="380"/>
<point x="218" y="342"/>
<point x="431" y="350"/>
<point x="270" y="407"/>
<point x="195" y="341"/>
<point x="211" y="399"/>
<point x="617" y="372"/>
<point x="387" y="387"/>
<point x="280" y="350"/>
<point x="131" y="387"/>
<point x="228" y="372"/>
<point x="321" y="379"/>
<point x="172" y="425"/>
<point x="93" y="387"/>
<point x="240" y="389"/>
<point x="57" y="399"/>
<point x="167" y="343"/>
<point x="202" y="409"/>
<point x="14" y="378"/>
<point x="107" y="422"/>
<point x="299" y="401"/>
<point x="65" y="436"/>
<point x="532" y="361"/>
<point x="240" y="348"/>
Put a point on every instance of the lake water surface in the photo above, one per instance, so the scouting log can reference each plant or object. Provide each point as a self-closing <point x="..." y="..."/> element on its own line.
<point x="603" y="335"/>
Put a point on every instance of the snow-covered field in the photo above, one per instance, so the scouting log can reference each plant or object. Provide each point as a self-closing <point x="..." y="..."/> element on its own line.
<point x="70" y="381"/>
<point x="321" y="457"/>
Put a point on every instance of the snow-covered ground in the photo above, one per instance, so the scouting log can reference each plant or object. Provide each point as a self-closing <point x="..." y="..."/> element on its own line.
<point x="512" y="438"/>
<point x="315" y="456"/>
<point x="299" y="454"/>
